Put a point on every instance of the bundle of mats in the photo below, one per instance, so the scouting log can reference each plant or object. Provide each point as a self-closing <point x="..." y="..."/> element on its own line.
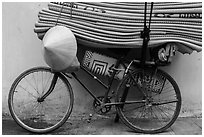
<point x="119" y="24"/>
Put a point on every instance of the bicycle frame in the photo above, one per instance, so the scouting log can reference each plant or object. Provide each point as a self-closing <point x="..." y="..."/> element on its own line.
<point x="142" y="63"/>
<point x="107" y="87"/>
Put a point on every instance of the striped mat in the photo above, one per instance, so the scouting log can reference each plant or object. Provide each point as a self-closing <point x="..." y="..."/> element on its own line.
<point x="119" y="24"/>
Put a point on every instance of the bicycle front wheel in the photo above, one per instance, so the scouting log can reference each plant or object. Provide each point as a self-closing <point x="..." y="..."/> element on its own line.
<point x="152" y="100"/>
<point x="40" y="116"/>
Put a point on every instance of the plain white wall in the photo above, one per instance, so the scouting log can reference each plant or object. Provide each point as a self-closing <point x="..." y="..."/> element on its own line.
<point x="20" y="46"/>
<point x="21" y="49"/>
<point x="187" y="72"/>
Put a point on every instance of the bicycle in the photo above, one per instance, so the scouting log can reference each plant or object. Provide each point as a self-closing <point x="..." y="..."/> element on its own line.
<point x="147" y="100"/>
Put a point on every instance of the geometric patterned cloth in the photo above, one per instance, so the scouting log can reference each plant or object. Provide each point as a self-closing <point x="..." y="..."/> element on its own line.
<point x="97" y="63"/>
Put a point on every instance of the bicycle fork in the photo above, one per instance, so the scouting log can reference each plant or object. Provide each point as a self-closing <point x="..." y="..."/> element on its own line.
<point x="52" y="86"/>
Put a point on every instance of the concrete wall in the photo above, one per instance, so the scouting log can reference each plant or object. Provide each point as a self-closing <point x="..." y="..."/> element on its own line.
<point x="21" y="49"/>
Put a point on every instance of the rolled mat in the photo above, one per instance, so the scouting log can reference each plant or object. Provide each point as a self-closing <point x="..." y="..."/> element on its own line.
<point x="119" y="24"/>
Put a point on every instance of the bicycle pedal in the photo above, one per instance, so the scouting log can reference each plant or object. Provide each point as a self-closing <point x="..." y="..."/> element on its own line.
<point x="112" y="92"/>
<point x="90" y="118"/>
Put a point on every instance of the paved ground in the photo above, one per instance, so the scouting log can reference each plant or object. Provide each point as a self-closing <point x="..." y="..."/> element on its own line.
<point x="105" y="126"/>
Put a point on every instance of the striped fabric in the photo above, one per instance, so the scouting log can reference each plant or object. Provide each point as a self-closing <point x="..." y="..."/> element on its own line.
<point x="118" y="25"/>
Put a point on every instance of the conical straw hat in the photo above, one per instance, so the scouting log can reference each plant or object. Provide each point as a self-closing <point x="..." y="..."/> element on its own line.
<point x="59" y="48"/>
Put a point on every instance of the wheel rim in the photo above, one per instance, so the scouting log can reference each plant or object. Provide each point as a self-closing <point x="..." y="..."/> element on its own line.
<point x="38" y="116"/>
<point x="161" y="106"/>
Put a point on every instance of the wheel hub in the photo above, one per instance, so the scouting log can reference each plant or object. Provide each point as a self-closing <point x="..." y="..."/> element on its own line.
<point x="149" y="102"/>
<point x="40" y="100"/>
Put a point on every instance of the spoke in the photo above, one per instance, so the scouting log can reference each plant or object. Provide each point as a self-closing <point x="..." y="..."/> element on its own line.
<point x="60" y="86"/>
<point x="51" y="99"/>
<point x="54" y="91"/>
<point x="142" y="111"/>
<point x="165" y="118"/>
<point x="129" y="109"/>
<point x="26" y="104"/>
<point x="166" y="82"/>
<point x="147" y="112"/>
<point x="50" y="106"/>
<point x="163" y="94"/>
<point x="169" y="97"/>
<point x="171" y="105"/>
<point x="160" y="113"/>
<point x="23" y="106"/>
<point x="151" y="113"/>
<point x="33" y="109"/>
<point x="158" y="118"/>
<point x="56" y="88"/>
<point x="154" y="113"/>
<point x="46" y="84"/>
<point x="169" y="90"/>
<point x="168" y="108"/>
<point x="152" y="85"/>
<point x="136" y="83"/>
<point x="167" y="87"/>
<point x="36" y="107"/>
<point x="165" y="90"/>
<point x="32" y="86"/>
<point x="35" y="82"/>
<point x="163" y="112"/>
<point x="138" y="114"/>
<point x="42" y="82"/>
<point x="41" y="113"/>
<point x="27" y="91"/>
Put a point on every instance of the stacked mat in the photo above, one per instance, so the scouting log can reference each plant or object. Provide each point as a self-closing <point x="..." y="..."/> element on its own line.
<point x="119" y="25"/>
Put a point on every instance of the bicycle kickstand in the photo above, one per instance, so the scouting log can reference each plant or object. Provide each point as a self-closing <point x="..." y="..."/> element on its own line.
<point x="123" y="98"/>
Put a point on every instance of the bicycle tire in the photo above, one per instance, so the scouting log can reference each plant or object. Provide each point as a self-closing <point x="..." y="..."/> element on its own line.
<point x="41" y="122"/>
<point x="141" y="123"/>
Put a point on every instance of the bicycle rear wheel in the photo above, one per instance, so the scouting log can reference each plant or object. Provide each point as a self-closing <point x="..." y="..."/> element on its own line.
<point x="155" y="108"/>
<point x="40" y="116"/>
